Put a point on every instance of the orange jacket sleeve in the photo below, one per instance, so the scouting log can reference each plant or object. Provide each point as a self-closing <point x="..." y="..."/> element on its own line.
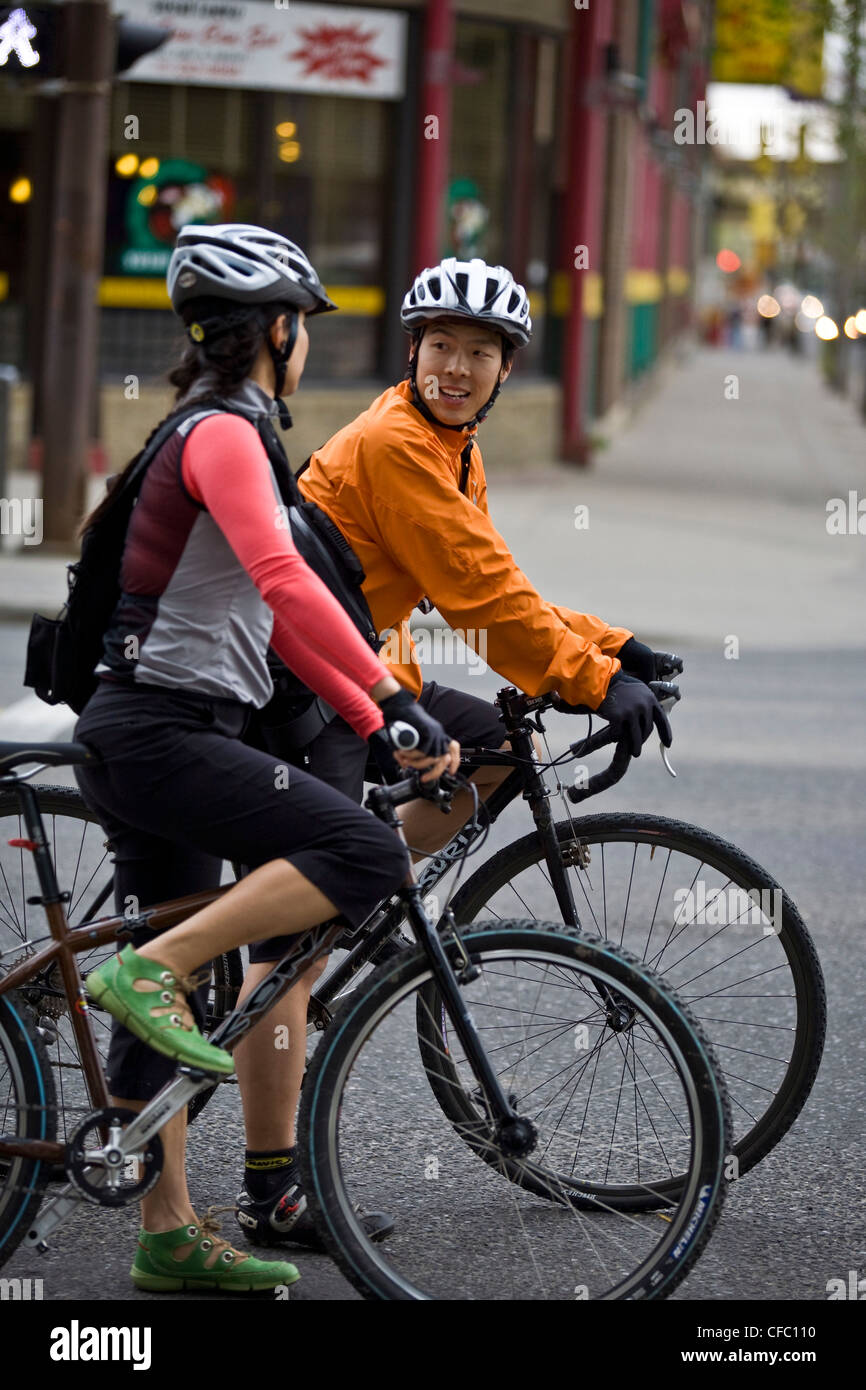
<point x="451" y="548"/>
<point x="607" y="639"/>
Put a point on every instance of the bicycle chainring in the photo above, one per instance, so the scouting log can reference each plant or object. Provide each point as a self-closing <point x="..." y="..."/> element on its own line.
<point x="99" y="1171"/>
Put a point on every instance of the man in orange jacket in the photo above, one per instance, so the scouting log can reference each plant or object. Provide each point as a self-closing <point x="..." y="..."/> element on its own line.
<point x="405" y="484"/>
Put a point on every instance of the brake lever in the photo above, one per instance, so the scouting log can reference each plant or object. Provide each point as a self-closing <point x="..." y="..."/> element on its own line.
<point x="667" y="695"/>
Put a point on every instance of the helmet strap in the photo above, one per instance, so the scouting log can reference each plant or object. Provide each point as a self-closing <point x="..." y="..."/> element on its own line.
<point x="423" y="408"/>
<point x="280" y="357"/>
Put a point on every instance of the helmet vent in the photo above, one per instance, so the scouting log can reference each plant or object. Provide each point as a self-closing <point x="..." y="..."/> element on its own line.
<point x="435" y="286"/>
<point x="491" y="289"/>
<point x="461" y="282"/>
<point x="513" y="301"/>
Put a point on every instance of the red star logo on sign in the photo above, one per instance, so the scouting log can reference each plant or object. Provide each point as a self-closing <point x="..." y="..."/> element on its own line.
<point x="340" y="52"/>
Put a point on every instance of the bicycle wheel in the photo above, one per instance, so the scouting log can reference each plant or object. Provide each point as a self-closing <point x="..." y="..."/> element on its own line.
<point x="84" y="869"/>
<point x="642" y="1103"/>
<point x="27" y="1109"/>
<point x="712" y="923"/>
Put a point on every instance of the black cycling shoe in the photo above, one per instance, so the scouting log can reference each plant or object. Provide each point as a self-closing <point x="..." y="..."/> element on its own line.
<point x="283" y="1218"/>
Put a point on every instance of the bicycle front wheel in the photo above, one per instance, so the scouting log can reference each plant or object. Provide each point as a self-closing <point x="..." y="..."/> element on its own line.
<point x="713" y="924"/>
<point x="642" y="1102"/>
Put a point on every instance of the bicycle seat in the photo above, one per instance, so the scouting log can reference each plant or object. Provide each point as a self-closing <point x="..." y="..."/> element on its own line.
<point x="54" y="754"/>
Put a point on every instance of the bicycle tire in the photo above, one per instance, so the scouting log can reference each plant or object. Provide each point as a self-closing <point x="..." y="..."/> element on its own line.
<point x="323" y="1104"/>
<point x="85" y="885"/>
<point x="27" y="1102"/>
<point x="752" y="1145"/>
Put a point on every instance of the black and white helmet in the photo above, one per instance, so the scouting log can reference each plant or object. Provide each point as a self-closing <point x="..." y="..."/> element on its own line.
<point x="245" y="264"/>
<point x="471" y="290"/>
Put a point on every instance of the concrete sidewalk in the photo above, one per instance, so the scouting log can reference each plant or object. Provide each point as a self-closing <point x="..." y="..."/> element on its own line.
<point x="707" y="517"/>
<point x="706" y="520"/>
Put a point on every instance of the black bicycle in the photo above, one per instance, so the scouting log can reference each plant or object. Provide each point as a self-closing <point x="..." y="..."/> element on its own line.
<point x="706" y="917"/>
<point x="589" y="1045"/>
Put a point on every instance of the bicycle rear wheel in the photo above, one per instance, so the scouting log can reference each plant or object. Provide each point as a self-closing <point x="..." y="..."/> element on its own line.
<point x="643" y="1103"/>
<point x="85" y="870"/>
<point x="27" y="1110"/>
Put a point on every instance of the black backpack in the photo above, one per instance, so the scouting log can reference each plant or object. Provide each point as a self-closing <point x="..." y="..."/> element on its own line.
<point x="63" y="652"/>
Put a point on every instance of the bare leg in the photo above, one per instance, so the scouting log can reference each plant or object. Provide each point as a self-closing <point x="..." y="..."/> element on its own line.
<point x="426" y="828"/>
<point x="270" y="1075"/>
<point x="168" y="1205"/>
<point x="274" y="900"/>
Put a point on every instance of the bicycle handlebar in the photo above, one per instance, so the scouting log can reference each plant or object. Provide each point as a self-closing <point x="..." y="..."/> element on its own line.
<point x="517" y="706"/>
<point x="667" y="695"/>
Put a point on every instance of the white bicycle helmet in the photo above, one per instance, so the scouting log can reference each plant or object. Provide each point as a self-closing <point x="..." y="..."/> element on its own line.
<point x="471" y="290"/>
<point x="245" y="264"/>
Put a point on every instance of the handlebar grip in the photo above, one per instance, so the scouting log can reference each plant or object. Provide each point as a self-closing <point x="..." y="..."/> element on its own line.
<point x="403" y="736"/>
<point x="602" y="780"/>
<point x="582" y="747"/>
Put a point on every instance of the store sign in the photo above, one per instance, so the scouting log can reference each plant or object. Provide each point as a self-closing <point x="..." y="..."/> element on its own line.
<point x="772" y="42"/>
<point x="157" y="207"/>
<point x="290" y="48"/>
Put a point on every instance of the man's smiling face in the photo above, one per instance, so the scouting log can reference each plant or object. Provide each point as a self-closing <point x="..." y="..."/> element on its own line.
<point x="459" y="365"/>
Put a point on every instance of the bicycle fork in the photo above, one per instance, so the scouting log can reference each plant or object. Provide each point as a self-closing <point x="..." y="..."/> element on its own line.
<point x="618" y="1013"/>
<point x="516" y="1135"/>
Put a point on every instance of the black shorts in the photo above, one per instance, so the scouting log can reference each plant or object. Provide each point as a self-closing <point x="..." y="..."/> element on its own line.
<point x="339" y="757"/>
<point x="178" y="792"/>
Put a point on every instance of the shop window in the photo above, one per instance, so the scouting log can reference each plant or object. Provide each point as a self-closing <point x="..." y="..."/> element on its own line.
<point x="479" y="142"/>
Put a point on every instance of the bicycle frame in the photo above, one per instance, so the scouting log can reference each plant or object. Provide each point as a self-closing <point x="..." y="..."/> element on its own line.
<point x="526" y="780"/>
<point x="67" y="942"/>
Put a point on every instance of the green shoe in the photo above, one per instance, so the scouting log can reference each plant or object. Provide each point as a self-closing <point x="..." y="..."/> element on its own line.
<point x="195" y="1257"/>
<point x="111" y="987"/>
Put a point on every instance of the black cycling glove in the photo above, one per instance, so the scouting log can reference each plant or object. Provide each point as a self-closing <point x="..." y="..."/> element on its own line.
<point x="631" y="709"/>
<point x="404" y="709"/>
<point x="639" y="660"/>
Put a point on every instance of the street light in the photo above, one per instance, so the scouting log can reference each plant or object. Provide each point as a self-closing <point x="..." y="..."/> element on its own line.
<point x="826" y="329"/>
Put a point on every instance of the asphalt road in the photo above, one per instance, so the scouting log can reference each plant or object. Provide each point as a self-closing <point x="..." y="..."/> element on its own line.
<point x="771" y="754"/>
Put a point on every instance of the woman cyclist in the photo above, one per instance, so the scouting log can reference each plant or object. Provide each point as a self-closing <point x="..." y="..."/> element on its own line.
<point x="209" y="578"/>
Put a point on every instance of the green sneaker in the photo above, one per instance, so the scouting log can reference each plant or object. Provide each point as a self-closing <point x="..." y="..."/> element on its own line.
<point x="146" y="1013"/>
<point x="195" y="1257"/>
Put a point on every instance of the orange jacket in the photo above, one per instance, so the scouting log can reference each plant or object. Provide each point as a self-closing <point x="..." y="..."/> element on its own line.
<point x="390" y="481"/>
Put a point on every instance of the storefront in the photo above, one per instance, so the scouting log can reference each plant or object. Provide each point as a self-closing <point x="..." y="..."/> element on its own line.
<point x="302" y="116"/>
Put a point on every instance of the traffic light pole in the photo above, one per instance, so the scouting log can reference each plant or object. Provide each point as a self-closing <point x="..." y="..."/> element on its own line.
<point x="69" y="356"/>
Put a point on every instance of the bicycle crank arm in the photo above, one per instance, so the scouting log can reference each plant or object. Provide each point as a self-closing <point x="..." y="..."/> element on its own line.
<point x="51" y="1216"/>
<point x="165" y="1105"/>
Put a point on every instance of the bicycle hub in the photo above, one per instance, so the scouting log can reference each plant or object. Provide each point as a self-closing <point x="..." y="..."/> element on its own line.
<point x="517" y="1138"/>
